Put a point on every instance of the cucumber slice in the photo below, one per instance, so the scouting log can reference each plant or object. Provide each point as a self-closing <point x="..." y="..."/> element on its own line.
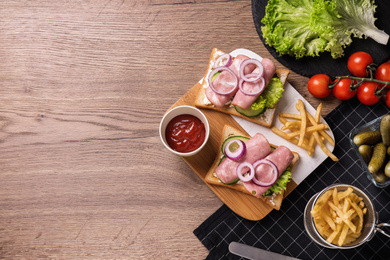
<point x="250" y="112"/>
<point x="232" y="182"/>
<point x="242" y="138"/>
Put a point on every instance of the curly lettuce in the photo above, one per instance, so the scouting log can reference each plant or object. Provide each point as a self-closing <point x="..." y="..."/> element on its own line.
<point x="280" y="184"/>
<point x="309" y="27"/>
<point x="270" y="96"/>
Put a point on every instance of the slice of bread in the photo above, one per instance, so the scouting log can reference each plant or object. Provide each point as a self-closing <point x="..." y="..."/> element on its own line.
<point x="274" y="201"/>
<point x="201" y="100"/>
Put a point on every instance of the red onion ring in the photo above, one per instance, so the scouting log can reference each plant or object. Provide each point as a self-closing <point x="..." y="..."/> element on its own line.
<point x="222" y="58"/>
<point x="218" y="69"/>
<point x="260" y="85"/>
<point x="249" y="176"/>
<point x="246" y="63"/>
<point x="275" y="171"/>
<point x="238" y="153"/>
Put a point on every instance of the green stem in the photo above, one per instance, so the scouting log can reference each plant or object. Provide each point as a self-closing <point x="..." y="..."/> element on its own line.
<point x="360" y="81"/>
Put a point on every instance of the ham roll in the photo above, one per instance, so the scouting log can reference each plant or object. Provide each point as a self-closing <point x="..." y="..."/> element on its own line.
<point x="257" y="148"/>
<point x="281" y="157"/>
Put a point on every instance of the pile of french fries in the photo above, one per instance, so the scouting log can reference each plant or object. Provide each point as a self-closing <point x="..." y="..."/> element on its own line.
<point x="338" y="216"/>
<point x="305" y="130"/>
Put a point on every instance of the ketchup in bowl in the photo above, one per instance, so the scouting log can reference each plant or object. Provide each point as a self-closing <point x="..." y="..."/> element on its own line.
<point x="185" y="133"/>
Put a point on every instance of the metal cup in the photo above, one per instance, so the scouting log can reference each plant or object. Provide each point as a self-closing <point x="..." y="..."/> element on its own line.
<point x="370" y="224"/>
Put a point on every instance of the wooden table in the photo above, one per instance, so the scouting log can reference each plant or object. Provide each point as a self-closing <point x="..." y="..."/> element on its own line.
<point x="83" y="86"/>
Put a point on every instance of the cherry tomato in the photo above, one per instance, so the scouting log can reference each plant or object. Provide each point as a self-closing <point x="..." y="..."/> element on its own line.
<point x="383" y="73"/>
<point x="342" y="90"/>
<point x="358" y="62"/>
<point x="318" y="85"/>
<point x="366" y="93"/>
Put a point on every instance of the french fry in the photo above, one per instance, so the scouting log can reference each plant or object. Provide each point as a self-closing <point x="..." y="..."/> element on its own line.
<point x="290" y="116"/>
<point x="323" y="147"/>
<point x="345" y="193"/>
<point x="323" y="133"/>
<point x="309" y="129"/>
<point x="335" y="197"/>
<point x="343" y="235"/>
<point x="338" y="216"/>
<point x="302" y="111"/>
<point x="328" y="219"/>
<point x="359" y="213"/>
<point x="317" y="116"/>
<point x="321" y="202"/>
<point x="311" y="145"/>
<point x="334" y="233"/>
<point x="292" y="140"/>
<point x="292" y="125"/>
<point x="305" y="130"/>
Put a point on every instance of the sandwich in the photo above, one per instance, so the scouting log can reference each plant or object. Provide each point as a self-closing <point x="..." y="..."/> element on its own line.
<point x="242" y="86"/>
<point x="252" y="165"/>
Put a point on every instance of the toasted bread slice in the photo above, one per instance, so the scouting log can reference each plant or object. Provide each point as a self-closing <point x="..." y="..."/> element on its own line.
<point x="201" y="100"/>
<point x="274" y="201"/>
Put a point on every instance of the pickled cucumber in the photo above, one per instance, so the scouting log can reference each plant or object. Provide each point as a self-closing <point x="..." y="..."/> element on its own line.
<point x="379" y="177"/>
<point x="366" y="152"/>
<point x="378" y="158"/>
<point x="387" y="169"/>
<point x="385" y="129"/>
<point x="369" y="137"/>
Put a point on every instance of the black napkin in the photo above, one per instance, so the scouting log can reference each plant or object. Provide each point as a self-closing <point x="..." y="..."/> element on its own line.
<point x="283" y="231"/>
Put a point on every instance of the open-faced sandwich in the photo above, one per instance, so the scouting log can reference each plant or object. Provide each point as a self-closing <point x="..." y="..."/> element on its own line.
<point x="242" y="86"/>
<point x="252" y="165"/>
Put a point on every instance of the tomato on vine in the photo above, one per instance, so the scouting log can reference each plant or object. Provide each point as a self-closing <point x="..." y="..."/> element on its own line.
<point x="383" y="72"/>
<point x="359" y="63"/>
<point x="366" y="93"/>
<point x="343" y="89"/>
<point x="318" y="85"/>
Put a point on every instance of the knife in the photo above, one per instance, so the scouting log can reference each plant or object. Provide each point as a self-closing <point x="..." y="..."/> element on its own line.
<point x="255" y="253"/>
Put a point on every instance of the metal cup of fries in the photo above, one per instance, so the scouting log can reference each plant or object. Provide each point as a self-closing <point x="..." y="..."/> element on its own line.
<point x="341" y="216"/>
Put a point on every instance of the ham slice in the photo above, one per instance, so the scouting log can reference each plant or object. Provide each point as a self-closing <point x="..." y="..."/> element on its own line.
<point x="281" y="157"/>
<point x="220" y="82"/>
<point x="256" y="148"/>
<point x="245" y="101"/>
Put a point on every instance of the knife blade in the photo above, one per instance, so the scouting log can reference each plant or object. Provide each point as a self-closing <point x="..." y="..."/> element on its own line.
<point x="255" y="253"/>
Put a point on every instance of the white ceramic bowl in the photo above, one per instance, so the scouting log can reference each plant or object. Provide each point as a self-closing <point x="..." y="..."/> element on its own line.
<point x="182" y="110"/>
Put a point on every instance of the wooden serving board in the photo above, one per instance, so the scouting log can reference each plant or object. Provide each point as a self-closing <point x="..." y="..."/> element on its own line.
<point x="245" y="205"/>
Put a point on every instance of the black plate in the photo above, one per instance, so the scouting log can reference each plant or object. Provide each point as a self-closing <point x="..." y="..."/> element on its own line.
<point x="309" y="66"/>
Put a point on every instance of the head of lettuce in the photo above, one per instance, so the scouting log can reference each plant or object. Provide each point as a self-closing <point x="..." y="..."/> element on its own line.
<point x="309" y="27"/>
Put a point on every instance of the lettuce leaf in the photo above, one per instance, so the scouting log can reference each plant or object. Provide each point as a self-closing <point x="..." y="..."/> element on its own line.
<point x="309" y="27"/>
<point x="280" y="184"/>
<point x="270" y="96"/>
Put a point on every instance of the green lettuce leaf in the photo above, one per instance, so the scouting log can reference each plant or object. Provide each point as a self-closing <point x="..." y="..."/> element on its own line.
<point x="270" y="96"/>
<point x="309" y="27"/>
<point x="280" y="184"/>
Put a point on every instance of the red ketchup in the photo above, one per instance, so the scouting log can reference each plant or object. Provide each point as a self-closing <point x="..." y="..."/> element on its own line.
<point x="185" y="133"/>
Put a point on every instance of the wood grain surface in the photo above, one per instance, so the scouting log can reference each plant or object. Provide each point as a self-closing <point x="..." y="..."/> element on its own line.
<point x="83" y="86"/>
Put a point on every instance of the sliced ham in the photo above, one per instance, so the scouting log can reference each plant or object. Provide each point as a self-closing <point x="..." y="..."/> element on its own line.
<point x="281" y="157"/>
<point x="257" y="148"/>
<point x="222" y="83"/>
<point x="245" y="101"/>
<point x="224" y="77"/>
